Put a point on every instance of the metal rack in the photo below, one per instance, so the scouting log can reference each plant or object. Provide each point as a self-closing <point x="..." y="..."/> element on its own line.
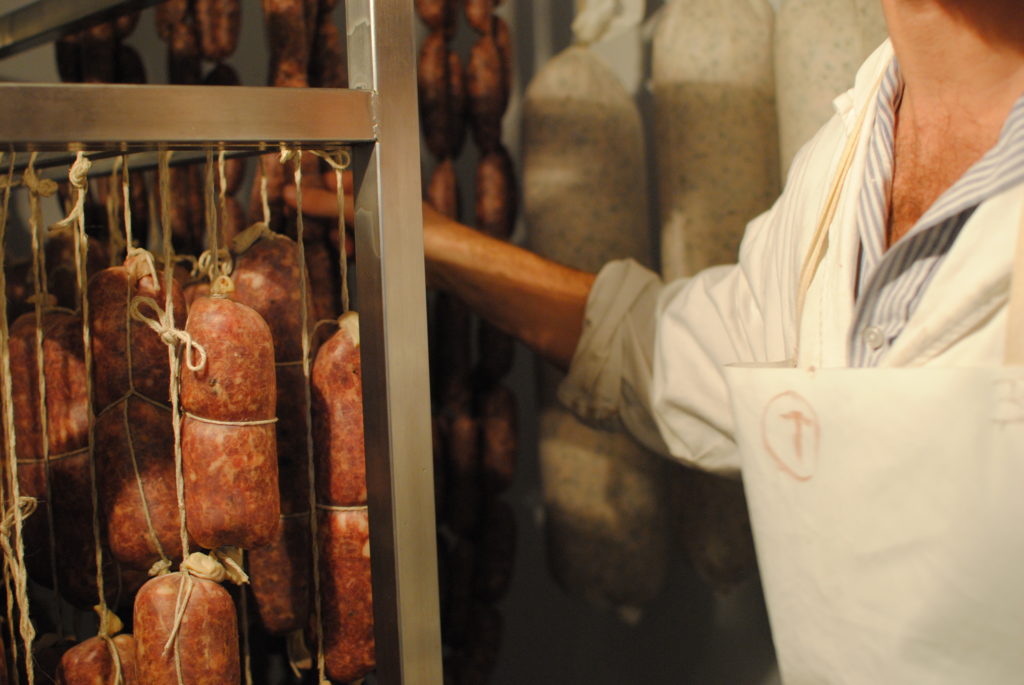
<point x="377" y="119"/>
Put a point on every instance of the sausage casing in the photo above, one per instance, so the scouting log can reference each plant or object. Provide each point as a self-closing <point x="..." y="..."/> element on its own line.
<point x="347" y="595"/>
<point x="92" y="663"/>
<point x="338" y="422"/>
<point x="207" y="640"/>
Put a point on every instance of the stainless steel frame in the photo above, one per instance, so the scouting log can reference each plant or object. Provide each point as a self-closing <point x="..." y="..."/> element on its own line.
<point x="378" y="120"/>
<point x="44" y="20"/>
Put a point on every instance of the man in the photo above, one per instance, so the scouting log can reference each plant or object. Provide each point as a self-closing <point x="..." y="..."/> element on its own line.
<point x="860" y="363"/>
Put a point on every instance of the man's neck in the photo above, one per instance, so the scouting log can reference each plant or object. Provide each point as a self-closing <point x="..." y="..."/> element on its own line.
<point x="963" y="68"/>
<point x="962" y="60"/>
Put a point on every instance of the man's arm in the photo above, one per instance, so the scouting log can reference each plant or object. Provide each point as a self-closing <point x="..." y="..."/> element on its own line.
<point x="534" y="299"/>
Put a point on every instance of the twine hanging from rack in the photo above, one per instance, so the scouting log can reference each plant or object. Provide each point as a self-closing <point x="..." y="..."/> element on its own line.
<point x="295" y="155"/>
<point x="339" y="166"/>
<point x="37" y="189"/>
<point x="9" y="571"/>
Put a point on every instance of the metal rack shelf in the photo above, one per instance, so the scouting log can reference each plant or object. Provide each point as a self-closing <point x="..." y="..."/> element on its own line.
<point x="377" y="121"/>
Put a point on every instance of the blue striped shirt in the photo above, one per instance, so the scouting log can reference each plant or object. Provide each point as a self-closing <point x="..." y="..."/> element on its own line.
<point x="892" y="282"/>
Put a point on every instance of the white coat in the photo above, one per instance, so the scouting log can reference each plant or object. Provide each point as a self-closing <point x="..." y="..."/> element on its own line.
<point x="652" y="356"/>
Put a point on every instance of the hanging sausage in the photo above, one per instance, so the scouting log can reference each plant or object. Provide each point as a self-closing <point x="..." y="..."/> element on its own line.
<point x="585" y="202"/>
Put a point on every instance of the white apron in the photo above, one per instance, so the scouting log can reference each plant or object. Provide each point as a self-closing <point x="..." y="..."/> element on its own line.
<point x="888" y="509"/>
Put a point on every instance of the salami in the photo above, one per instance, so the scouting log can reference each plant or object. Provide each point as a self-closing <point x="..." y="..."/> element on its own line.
<point x="327" y="65"/>
<point x="218" y="23"/>
<point x="99" y="54"/>
<point x="134" y="446"/>
<point x="66" y="413"/>
<point x="130" y="68"/>
<point x="338" y="422"/>
<point x="479" y="14"/>
<point x="229" y="451"/>
<point x="268" y="279"/>
<point x="285" y="22"/>
<point x="712" y="99"/>
<point x="464" y="493"/>
<point x="496" y="197"/>
<point x="457" y="99"/>
<point x="207" y="640"/>
<point x="435" y="108"/>
<point x="92" y="663"/>
<point x="347" y="593"/>
<point x="443" y="190"/>
<point x="281" y="577"/>
<point x="496" y="552"/>
<point x="438" y="15"/>
<point x="487" y="85"/>
<point x="499" y="428"/>
<point x="69" y="58"/>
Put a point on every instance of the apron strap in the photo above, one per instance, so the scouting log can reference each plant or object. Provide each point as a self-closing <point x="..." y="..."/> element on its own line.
<point x="1014" y="355"/>
<point x="819" y="243"/>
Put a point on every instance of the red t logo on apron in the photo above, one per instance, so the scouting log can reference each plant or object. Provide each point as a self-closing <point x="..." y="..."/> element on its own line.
<point x="792" y="434"/>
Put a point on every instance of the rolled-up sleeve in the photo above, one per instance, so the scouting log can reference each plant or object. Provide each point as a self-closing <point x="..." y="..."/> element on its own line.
<point x="609" y="380"/>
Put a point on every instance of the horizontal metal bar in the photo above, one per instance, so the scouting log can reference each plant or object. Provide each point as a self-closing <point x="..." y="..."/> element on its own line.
<point x="44" y="20"/>
<point x="130" y="117"/>
<point x="55" y="165"/>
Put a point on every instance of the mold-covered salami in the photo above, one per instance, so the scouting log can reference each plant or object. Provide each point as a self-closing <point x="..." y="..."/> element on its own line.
<point x="716" y="126"/>
<point x="608" y="538"/>
<point x="230" y="468"/>
<point x="93" y="663"/>
<point x="338" y="411"/>
<point x="347" y="593"/>
<point x="207" y="640"/>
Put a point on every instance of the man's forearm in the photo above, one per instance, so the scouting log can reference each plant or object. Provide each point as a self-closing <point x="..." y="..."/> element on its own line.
<point x="536" y="300"/>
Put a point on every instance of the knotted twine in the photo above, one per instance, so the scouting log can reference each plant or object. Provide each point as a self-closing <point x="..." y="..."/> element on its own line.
<point x="10" y="561"/>
<point x="109" y="624"/>
<point x="146" y="258"/>
<point x="39" y="188"/>
<point x="295" y="156"/>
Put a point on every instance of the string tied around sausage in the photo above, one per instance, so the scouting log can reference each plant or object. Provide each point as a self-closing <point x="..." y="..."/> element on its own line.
<point x="249" y="237"/>
<point x="219" y="565"/>
<point x="172" y="336"/>
<point x="222" y="286"/>
<point x="141" y="263"/>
